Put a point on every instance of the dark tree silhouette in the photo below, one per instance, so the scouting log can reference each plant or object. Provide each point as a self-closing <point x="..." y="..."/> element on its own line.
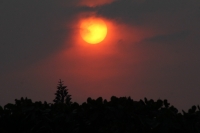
<point x="62" y="95"/>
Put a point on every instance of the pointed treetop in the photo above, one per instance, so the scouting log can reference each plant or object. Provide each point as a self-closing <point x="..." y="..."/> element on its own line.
<point x="62" y="94"/>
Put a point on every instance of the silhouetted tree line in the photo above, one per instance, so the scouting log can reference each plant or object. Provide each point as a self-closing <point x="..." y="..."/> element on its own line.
<point x="119" y="115"/>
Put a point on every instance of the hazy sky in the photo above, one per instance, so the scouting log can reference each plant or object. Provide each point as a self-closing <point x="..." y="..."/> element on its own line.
<point x="151" y="50"/>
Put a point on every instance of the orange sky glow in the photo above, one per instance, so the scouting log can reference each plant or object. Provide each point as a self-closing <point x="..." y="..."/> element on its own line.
<point x="151" y="50"/>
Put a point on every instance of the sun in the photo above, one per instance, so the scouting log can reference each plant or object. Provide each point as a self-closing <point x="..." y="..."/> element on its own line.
<point x="93" y="30"/>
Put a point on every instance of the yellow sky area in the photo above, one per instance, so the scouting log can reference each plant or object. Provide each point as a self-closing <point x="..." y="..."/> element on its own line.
<point x="93" y="30"/>
<point x="78" y="40"/>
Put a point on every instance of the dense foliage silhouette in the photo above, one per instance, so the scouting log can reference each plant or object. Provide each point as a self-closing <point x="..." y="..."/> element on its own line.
<point x="119" y="115"/>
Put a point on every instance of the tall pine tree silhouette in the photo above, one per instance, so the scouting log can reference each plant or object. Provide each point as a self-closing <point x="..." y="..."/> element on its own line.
<point x="62" y="94"/>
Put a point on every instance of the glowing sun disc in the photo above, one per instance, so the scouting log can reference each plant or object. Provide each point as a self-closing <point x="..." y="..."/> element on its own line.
<point x="93" y="30"/>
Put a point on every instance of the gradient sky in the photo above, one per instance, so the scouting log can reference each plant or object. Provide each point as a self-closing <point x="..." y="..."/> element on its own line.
<point x="151" y="50"/>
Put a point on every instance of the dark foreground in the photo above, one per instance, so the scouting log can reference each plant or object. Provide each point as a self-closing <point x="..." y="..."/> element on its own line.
<point x="119" y="115"/>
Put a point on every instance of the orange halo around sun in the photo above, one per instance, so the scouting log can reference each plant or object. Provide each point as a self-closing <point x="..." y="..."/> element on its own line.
<point x="93" y="30"/>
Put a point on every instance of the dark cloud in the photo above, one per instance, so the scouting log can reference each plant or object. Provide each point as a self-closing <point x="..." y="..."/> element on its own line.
<point x="168" y="21"/>
<point x="168" y="39"/>
<point x="31" y="30"/>
<point x="135" y="10"/>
